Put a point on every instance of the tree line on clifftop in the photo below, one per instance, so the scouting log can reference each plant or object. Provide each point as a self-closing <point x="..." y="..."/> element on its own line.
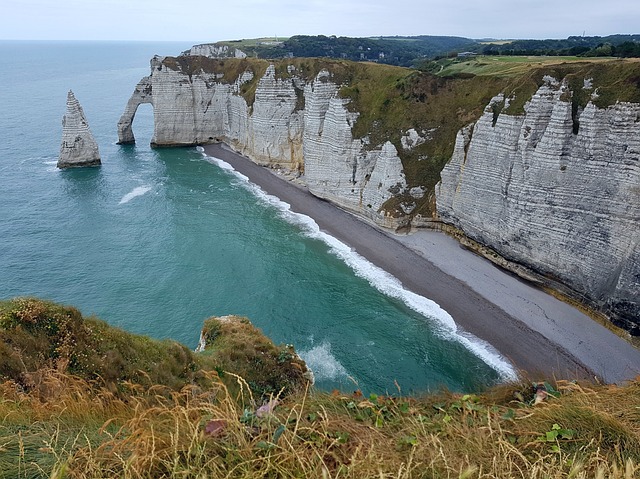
<point x="624" y="46"/>
<point x="408" y="51"/>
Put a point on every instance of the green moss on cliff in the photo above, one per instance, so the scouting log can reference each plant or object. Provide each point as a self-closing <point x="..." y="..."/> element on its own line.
<point x="614" y="79"/>
<point x="391" y="100"/>
<point x="309" y="68"/>
<point x="36" y="334"/>
<point x="227" y="70"/>
<point x="234" y="344"/>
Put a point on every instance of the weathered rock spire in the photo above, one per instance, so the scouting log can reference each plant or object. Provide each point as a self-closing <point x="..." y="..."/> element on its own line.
<point x="78" y="147"/>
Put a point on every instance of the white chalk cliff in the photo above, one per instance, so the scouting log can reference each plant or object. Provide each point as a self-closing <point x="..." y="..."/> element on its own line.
<point x="555" y="189"/>
<point x="79" y="147"/>
<point x="565" y="203"/>
<point x="212" y="50"/>
<point x="303" y="126"/>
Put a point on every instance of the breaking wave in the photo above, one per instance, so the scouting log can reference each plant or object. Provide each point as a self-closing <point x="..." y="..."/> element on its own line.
<point x="379" y="278"/>
<point x="324" y="365"/>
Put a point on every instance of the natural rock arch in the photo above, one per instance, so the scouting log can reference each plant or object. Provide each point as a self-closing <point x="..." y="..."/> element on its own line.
<point x="141" y="94"/>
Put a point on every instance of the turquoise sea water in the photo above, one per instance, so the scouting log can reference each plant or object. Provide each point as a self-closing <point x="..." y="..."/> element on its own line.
<point x="155" y="241"/>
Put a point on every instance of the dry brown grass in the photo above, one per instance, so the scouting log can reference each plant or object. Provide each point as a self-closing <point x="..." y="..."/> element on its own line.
<point x="59" y="422"/>
<point x="74" y="430"/>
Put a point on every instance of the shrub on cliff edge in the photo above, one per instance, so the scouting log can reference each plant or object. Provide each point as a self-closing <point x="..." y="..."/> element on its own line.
<point x="36" y="334"/>
<point x="234" y="344"/>
<point x="56" y="424"/>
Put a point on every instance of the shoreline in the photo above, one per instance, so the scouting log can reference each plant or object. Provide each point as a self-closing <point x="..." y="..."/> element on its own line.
<point x="525" y="325"/>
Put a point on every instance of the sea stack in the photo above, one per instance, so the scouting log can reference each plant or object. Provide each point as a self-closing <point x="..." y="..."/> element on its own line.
<point x="78" y="147"/>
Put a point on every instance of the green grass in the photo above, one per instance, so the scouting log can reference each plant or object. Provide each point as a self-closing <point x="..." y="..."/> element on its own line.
<point x="234" y="344"/>
<point x="392" y="101"/>
<point x="66" y="425"/>
<point x="229" y="70"/>
<point x="503" y="65"/>
<point x="37" y="335"/>
<point x="250" y="42"/>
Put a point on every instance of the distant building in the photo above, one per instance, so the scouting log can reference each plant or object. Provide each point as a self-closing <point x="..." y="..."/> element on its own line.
<point x="466" y="54"/>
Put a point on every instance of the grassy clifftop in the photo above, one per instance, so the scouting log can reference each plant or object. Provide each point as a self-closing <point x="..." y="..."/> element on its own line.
<point x="63" y="419"/>
<point x="436" y="101"/>
<point x="38" y="336"/>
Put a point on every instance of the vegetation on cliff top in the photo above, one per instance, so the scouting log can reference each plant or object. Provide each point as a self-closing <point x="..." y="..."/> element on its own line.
<point x="614" y="79"/>
<point x="233" y="344"/>
<point x="619" y="45"/>
<point x="409" y="51"/>
<point x="69" y="422"/>
<point x="37" y="335"/>
<point x="436" y="101"/>
<point x="400" y="51"/>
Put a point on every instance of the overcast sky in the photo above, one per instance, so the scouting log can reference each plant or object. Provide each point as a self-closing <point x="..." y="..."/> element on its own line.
<point x="213" y="20"/>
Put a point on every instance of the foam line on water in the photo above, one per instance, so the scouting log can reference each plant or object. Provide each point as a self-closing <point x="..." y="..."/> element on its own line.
<point x="137" y="191"/>
<point x="25" y="160"/>
<point x="380" y="279"/>
<point x="323" y="363"/>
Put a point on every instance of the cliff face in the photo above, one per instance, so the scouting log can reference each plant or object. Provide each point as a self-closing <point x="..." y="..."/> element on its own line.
<point x="292" y="122"/>
<point x="337" y="166"/>
<point x="556" y="189"/>
<point x="216" y="51"/>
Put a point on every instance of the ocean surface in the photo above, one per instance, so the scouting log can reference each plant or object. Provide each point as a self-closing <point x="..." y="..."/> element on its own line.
<point x="156" y="241"/>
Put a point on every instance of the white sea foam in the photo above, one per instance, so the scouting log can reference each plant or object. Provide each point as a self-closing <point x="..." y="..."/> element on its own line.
<point x="224" y="165"/>
<point x="323" y="364"/>
<point x="137" y="191"/>
<point x="52" y="165"/>
<point x="382" y="280"/>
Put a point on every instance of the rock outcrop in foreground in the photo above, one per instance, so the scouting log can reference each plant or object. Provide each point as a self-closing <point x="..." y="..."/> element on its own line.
<point x="237" y="345"/>
<point x="80" y="399"/>
<point x="79" y="147"/>
<point x="36" y="335"/>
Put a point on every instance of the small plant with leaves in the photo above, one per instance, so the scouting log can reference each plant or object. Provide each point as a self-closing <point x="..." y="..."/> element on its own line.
<point x="555" y="435"/>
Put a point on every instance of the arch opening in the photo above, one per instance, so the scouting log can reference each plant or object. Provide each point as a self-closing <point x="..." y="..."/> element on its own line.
<point x="141" y="94"/>
<point x="142" y="121"/>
